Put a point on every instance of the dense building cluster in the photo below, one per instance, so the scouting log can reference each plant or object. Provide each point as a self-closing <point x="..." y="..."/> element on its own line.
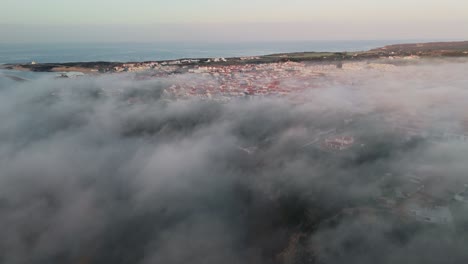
<point x="223" y="82"/>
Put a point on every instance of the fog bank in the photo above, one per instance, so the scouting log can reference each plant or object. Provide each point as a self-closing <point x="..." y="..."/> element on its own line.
<point x="111" y="170"/>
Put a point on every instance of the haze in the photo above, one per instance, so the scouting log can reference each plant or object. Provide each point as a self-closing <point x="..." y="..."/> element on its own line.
<point x="209" y="20"/>
<point x="109" y="169"/>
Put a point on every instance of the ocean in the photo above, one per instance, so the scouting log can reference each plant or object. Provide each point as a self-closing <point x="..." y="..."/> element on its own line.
<point x="124" y="52"/>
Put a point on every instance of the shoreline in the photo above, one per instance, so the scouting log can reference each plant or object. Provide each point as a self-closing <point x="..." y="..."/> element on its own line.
<point x="457" y="49"/>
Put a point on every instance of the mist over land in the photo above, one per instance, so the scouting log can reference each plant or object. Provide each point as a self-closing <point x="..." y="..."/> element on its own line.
<point x="364" y="164"/>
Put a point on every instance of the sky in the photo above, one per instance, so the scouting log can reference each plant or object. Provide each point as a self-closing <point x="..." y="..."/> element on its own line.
<point x="249" y="20"/>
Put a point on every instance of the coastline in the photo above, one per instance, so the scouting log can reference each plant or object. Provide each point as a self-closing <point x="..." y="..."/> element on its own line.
<point x="391" y="52"/>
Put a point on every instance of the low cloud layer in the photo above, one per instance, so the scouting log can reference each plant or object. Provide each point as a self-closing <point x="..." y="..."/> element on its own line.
<point x="109" y="170"/>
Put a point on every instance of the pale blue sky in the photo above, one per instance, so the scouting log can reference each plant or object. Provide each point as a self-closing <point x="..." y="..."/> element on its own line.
<point x="175" y="20"/>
